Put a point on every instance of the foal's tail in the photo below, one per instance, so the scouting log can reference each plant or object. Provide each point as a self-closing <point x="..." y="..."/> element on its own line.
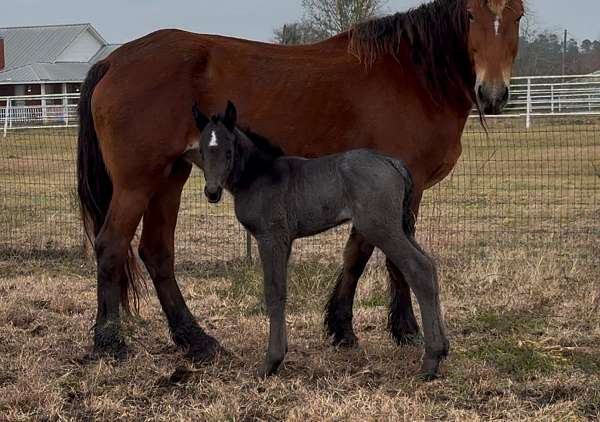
<point x="408" y="216"/>
<point x="94" y="186"/>
<point x="409" y="220"/>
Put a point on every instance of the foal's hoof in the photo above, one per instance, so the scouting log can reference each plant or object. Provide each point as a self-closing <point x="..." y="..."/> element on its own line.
<point x="429" y="370"/>
<point x="208" y="349"/>
<point x="428" y="376"/>
<point x="267" y="370"/>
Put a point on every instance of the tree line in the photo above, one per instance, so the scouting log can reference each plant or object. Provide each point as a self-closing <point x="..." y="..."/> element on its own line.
<point x="541" y="52"/>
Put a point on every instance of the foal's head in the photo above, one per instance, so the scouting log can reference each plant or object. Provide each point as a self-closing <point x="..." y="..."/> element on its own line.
<point x="218" y="147"/>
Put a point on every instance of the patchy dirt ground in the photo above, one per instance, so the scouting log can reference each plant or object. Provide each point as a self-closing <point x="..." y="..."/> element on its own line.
<point x="525" y="342"/>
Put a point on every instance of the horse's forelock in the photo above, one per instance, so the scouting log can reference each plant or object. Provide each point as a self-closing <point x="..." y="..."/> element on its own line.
<point x="497" y="6"/>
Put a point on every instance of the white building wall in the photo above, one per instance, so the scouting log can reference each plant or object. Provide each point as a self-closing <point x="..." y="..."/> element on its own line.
<point x="82" y="49"/>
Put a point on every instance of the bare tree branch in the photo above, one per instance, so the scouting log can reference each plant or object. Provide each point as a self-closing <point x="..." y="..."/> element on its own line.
<point x="326" y="18"/>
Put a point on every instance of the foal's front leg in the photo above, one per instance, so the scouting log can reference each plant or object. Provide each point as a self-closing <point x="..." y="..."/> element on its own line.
<point x="274" y="254"/>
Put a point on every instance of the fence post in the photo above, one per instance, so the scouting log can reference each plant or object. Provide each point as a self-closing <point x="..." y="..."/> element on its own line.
<point x="552" y="98"/>
<point x="65" y="104"/>
<point x="248" y="246"/>
<point x="528" y="118"/>
<point x="44" y="102"/>
<point x="6" y="115"/>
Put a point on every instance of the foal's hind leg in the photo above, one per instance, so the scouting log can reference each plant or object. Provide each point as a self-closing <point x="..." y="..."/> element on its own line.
<point x="112" y="246"/>
<point x="157" y="251"/>
<point x="420" y="274"/>
<point x="402" y="322"/>
<point x="338" y="313"/>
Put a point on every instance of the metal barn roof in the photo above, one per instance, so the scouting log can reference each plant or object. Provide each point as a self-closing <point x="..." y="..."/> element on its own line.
<point x="31" y="53"/>
<point x="45" y="72"/>
<point x="40" y="44"/>
<point x="104" y="52"/>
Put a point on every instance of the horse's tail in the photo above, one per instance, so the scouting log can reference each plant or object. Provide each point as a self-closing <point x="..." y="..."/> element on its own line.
<point x="94" y="186"/>
<point x="93" y="183"/>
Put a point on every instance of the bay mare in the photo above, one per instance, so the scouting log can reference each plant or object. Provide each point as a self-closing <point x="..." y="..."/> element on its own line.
<point x="282" y="198"/>
<point x="402" y="85"/>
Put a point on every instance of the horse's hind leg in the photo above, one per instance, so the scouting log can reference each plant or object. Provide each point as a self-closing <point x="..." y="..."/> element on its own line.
<point x="338" y="313"/>
<point x="112" y="248"/>
<point x="401" y="320"/>
<point x="157" y="251"/>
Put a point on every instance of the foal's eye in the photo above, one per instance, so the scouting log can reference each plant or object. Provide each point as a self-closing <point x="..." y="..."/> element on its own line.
<point x="471" y="17"/>
<point x="228" y="155"/>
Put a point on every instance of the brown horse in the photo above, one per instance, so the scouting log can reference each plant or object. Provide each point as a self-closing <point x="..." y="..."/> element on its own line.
<point x="403" y="85"/>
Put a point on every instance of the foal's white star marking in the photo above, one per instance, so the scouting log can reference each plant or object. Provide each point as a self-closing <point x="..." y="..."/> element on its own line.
<point x="497" y="25"/>
<point x="213" y="140"/>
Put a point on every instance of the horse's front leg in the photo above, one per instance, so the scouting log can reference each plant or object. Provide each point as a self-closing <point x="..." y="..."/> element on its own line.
<point x="274" y="254"/>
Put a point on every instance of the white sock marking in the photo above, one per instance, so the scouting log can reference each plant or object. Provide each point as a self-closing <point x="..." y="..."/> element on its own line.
<point x="213" y="140"/>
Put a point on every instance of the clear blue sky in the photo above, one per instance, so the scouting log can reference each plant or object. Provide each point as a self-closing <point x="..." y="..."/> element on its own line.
<point x="122" y="20"/>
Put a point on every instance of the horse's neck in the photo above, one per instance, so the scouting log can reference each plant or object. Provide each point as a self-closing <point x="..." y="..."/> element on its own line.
<point x="452" y="95"/>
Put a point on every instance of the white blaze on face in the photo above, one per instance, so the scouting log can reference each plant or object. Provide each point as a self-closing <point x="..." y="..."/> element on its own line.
<point x="497" y="25"/>
<point x="213" y="139"/>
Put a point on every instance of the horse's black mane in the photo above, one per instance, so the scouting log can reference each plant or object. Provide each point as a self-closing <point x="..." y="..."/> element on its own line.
<point x="437" y="33"/>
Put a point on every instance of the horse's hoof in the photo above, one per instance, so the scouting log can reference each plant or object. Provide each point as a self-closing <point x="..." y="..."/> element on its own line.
<point x="410" y="339"/>
<point x="207" y="350"/>
<point x="348" y="341"/>
<point x="114" y="348"/>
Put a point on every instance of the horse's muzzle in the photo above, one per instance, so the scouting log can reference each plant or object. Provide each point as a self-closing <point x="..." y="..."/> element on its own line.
<point x="492" y="98"/>
<point x="213" y="196"/>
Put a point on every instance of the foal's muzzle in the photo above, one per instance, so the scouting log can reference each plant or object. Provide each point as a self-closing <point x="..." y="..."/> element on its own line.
<point x="213" y="196"/>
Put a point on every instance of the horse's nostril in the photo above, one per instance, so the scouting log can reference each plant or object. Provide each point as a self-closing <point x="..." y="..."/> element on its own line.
<point x="505" y="95"/>
<point x="480" y="92"/>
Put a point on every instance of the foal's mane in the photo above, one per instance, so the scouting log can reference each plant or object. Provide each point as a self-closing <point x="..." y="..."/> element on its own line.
<point x="269" y="150"/>
<point x="437" y="34"/>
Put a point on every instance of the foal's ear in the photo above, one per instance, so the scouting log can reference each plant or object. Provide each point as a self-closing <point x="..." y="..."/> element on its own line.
<point x="199" y="117"/>
<point x="230" y="119"/>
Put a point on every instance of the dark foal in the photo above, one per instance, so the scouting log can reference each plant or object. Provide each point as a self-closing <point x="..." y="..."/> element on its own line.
<point x="279" y="199"/>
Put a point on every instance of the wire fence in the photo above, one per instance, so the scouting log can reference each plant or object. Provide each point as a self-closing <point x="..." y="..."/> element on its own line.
<point x="515" y="190"/>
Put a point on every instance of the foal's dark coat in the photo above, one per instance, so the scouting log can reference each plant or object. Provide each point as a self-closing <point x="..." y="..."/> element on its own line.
<point x="279" y="199"/>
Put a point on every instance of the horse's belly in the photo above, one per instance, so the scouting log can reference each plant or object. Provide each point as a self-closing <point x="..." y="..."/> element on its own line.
<point x="445" y="166"/>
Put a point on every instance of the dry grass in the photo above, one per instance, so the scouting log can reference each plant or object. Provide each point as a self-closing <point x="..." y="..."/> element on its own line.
<point x="515" y="229"/>
<point x="524" y="335"/>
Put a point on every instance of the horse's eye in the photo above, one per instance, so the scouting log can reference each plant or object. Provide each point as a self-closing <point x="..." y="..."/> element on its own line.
<point x="228" y="155"/>
<point x="471" y="17"/>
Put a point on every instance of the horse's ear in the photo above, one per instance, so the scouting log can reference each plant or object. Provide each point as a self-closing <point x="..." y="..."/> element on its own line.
<point x="199" y="117"/>
<point x="230" y="119"/>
